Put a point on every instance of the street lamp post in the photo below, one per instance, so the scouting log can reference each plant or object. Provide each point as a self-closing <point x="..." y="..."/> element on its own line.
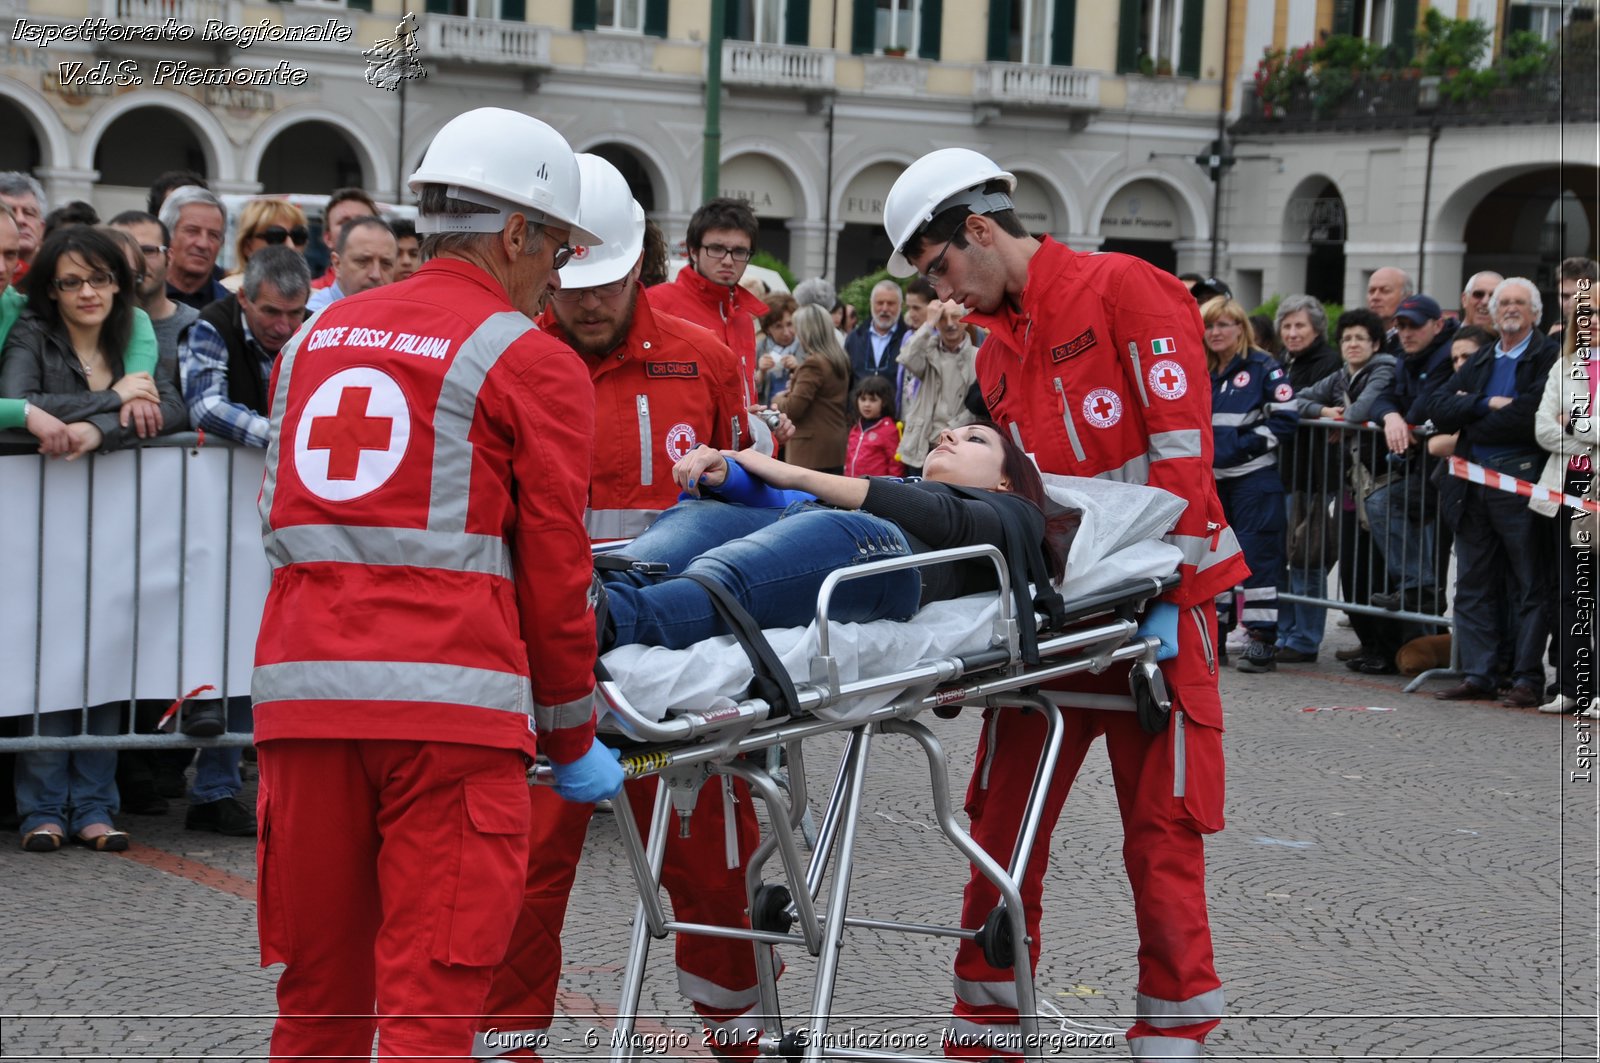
<point x="711" y="162"/>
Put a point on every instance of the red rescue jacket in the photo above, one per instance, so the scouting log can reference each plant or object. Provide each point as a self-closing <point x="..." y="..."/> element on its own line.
<point x="730" y="314"/>
<point x="423" y="514"/>
<point x="668" y="387"/>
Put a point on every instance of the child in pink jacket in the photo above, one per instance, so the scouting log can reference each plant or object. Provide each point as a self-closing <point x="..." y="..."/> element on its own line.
<point x="874" y="438"/>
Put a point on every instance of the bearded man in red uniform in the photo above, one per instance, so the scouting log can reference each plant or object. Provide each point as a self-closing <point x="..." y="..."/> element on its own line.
<point x="428" y="622"/>
<point x="1094" y="363"/>
<point x="662" y="387"/>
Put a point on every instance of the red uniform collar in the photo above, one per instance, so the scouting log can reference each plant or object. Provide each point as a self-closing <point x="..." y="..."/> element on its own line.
<point x="1047" y="264"/>
<point x="460" y="269"/>
<point x="726" y="299"/>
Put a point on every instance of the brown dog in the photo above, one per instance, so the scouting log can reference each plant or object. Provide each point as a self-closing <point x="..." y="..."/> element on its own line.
<point x="1419" y="655"/>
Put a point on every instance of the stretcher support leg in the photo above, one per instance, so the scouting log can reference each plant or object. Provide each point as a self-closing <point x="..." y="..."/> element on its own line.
<point x="648" y="918"/>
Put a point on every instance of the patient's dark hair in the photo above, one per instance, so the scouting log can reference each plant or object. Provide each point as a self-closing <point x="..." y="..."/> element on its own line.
<point x="1059" y="525"/>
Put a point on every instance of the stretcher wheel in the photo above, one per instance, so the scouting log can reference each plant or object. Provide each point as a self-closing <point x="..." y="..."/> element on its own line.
<point x="792" y="1046"/>
<point x="770" y="912"/>
<point x="995" y="939"/>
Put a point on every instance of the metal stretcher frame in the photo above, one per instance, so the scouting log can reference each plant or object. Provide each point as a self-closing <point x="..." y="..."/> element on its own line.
<point x="685" y="749"/>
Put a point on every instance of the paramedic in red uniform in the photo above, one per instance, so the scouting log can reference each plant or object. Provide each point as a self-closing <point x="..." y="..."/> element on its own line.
<point x="722" y="237"/>
<point x="1095" y="363"/>
<point x="428" y="618"/>
<point x="662" y="387"/>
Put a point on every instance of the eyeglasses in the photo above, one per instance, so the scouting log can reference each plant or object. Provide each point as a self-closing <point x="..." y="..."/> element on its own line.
<point x="277" y="234"/>
<point x="151" y="250"/>
<point x="1480" y="295"/>
<point x="602" y="292"/>
<point x="738" y="254"/>
<point x="97" y="280"/>
<point x="562" y="256"/>
<point x="937" y="267"/>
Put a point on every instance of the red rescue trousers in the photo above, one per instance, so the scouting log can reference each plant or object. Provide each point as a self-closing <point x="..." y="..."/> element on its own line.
<point x="387" y="878"/>
<point x="1179" y="994"/>
<point x="717" y="974"/>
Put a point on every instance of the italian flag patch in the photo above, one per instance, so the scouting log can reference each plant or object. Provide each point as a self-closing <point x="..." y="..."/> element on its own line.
<point x="1164" y="346"/>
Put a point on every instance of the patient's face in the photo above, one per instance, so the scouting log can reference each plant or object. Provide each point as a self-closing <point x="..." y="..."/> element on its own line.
<point x="970" y="456"/>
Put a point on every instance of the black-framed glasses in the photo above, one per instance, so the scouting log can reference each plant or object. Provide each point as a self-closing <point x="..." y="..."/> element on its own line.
<point x="601" y="291"/>
<point x="150" y="250"/>
<point x="562" y="256"/>
<point x="98" y="280"/>
<point x="937" y="267"/>
<point x="738" y="254"/>
<point x="277" y="234"/>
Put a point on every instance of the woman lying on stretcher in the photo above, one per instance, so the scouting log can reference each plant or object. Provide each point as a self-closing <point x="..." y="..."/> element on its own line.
<point x="770" y="533"/>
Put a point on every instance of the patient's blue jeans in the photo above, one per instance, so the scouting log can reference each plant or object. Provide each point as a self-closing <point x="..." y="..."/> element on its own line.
<point x="772" y="561"/>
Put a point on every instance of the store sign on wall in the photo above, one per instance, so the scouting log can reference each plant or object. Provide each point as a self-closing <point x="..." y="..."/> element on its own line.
<point x="1142" y="211"/>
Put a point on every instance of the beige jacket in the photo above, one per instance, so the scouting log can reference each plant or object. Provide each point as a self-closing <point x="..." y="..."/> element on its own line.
<point x="941" y="401"/>
<point x="1567" y="391"/>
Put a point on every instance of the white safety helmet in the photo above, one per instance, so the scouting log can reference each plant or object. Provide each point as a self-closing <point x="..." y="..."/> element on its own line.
<point x="949" y="177"/>
<point x="506" y="160"/>
<point x="610" y="211"/>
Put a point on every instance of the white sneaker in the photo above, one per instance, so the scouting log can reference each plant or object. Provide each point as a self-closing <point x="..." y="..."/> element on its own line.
<point x="1238" y="640"/>
<point x="1561" y="703"/>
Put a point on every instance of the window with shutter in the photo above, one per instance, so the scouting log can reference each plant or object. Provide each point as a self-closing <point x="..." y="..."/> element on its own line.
<point x="1061" y="32"/>
<point x="583" y="14"/>
<point x="623" y="16"/>
<point x="761" y="21"/>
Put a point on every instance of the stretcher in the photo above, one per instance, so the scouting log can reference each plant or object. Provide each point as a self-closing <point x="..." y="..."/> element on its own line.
<point x="866" y="681"/>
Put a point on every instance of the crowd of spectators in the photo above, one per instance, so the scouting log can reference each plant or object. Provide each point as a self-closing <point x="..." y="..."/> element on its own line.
<point x="1329" y="443"/>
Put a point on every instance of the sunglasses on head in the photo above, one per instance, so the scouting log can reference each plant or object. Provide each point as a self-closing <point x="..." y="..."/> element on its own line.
<point x="277" y="234"/>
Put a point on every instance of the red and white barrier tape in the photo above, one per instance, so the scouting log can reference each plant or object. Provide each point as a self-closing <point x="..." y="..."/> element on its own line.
<point x="1466" y="470"/>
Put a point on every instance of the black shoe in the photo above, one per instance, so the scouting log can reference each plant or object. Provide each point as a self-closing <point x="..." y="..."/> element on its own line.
<point x="1378" y="666"/>
<point x="1465" y="691"/>
<point x="1389" y="600"/>
<point x="227" y="816"/>
<point x="1287" y="656"/>
<point x="1355" y="664"/>
<point x="1357" y="654"/>
<point x="203" y="719"/>
<point x="1258" y="658"/>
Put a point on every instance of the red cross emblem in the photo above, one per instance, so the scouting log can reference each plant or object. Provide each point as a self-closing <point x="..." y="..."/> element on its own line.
<point x="1167" y="379"/>
<point x="1102" y="407"/>
<point x="680" y="440"/>
<point x="352" y="434"/>
<point x="347" y="433"/>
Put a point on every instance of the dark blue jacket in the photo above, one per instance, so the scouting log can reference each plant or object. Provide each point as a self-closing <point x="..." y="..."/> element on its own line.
<point x="1415" y="377"/>
<point x="1252" y="414"/>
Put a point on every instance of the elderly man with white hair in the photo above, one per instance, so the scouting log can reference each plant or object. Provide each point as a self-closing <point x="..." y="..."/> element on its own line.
<point x="1475" y="299"/>
<point x="874" y="345"/>
<point x="1492" y="401"/>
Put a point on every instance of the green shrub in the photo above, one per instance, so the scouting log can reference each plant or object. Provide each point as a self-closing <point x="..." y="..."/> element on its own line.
<point x="858" y="293"/>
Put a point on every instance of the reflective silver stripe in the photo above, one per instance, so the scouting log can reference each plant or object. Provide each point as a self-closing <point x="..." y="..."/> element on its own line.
<point x="1284" y="407"/>
<point x="417" y="547"/>
<point x="1183" y="443"/>
<point x="1259" y="616"/>
<point x="987" y="994"/>
<point x="1198" y="616"/>
<point x="1066" y="419"/>
<point x="993" y="726"/>
<point x="568" y="714"/>
<point x="453" y="414"/>
<point x="618" y="523"/>
<point x="496" y="1042"/>
<point x="710" y="994"/>
<point x="1257" y="594"/>
<point x="1260" y="461"/>
<point x="1138" y="372"/>
<point x="1159" y="1048"/>
<point x="1169" y="1013"/>
<point x="1133" y="471"/>
<point x="646" y="466"/>
<point x="1016" y="436"/>
<point x="391" y="681"/>
<point x="1234" y="420"/>
<point x="1180" y="762"/>
<point x="1077" y="699"/>
<point x="1197" y="549"/>
<point x="280" y="400"/>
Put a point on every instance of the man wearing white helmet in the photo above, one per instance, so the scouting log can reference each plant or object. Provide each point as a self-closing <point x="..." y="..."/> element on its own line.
<point x="428" y="623"/>
<point x="1094" y="363"/>
<point x="662" y="387"/>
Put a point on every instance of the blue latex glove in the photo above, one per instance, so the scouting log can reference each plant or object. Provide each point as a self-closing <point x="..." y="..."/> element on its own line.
<point x="592" y="777"/>
<point x="1161" y="622"/>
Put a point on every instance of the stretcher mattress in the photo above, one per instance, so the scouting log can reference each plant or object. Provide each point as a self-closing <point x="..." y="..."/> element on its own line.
<point x="1118" y="539"/>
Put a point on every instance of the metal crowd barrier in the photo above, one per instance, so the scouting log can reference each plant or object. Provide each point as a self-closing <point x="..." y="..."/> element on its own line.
<point x="1367" y="522"/>
<point x="147" y="581"/>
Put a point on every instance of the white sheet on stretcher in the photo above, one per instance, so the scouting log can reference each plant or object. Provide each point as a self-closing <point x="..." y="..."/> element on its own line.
<point x="1118" y="539"/>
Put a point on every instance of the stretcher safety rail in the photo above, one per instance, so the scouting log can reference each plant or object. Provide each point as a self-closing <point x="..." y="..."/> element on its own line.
<point x="685" y="749"/>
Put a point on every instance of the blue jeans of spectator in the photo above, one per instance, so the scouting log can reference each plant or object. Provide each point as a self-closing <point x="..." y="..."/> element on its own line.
<point x="773" y="562"/>
<point x="71" y="788"/>
<point x="1395" y="514"/>
<point x="1300" y="626"/>
<point x="1493" y="540"/>
<point x="216" y="769"/>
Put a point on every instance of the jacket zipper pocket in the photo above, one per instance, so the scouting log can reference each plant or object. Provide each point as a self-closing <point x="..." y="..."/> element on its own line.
<point x="1138" y="372"/>
<point x="646" y="471"/>
<point x="1205" y="638"/>
<point x="1180" y="756"/>
<point x="1066" y="420"/>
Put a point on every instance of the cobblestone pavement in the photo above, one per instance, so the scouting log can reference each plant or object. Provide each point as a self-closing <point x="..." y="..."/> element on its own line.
<point x="1409" y="884"/>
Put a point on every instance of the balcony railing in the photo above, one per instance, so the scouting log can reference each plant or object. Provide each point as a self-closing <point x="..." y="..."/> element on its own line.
<point x="779" y="66"/>
<point x="1037" y="85"/>
<point x="479" y="40"/>
<point x="1400" y="101"/>
<point x="191" y="13"/>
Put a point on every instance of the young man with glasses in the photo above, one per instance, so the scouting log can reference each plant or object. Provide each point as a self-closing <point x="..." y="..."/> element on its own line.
<point x="1095" y="364"/>
<point x="171" y="319"/>
<point x="662" y="386"/>
<point x="722" y="237"/>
